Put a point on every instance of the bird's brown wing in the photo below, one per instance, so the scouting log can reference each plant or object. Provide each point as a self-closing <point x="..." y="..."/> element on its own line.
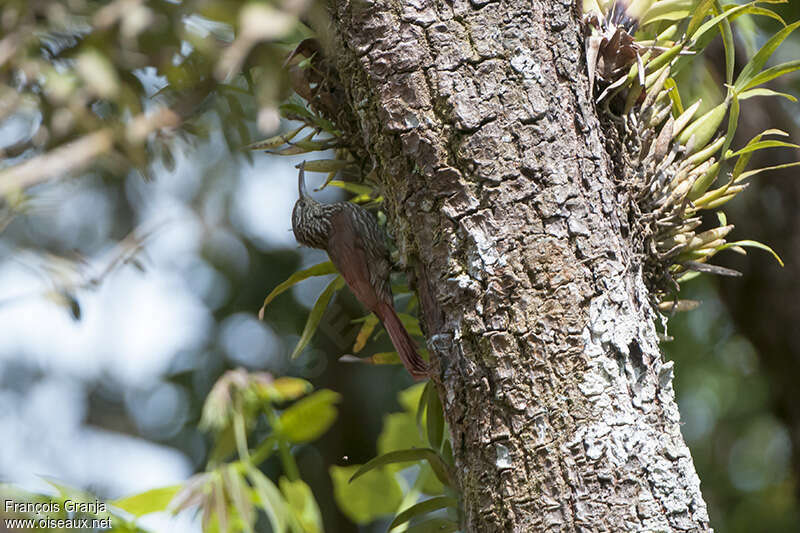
<point x="346" y="250"/>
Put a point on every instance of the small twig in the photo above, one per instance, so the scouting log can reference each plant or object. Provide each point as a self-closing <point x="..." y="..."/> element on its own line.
<point x="124" y="252"/>
<point x="78" y="154"/>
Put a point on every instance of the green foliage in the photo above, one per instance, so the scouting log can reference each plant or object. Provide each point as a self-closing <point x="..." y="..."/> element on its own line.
<point x="372" y="496"/>
<point x="423" y="508"/>
<point x="315" y="316"/>
<point x="147" y="502"/>
<point x="309" y="418"/>
<point x="405" y="441"/>
<point x="321" y="269"/>
<point x="302" y="504"/>
<point x="79" y="68"/>
<point x="412" y="455"/>
<point x="230" y="493"/>
<point x="369" y="326"/>
<point x="115" y="86"/>
<point x="675" y="156"/>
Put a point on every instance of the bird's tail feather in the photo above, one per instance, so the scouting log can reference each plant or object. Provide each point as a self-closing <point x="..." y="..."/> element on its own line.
<point x="403" y="343"/>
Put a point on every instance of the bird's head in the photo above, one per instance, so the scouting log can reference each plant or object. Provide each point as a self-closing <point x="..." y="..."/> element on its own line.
<point x="310" y="220"/>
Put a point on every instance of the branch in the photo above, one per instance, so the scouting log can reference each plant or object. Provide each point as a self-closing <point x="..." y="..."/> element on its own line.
<point x="78" y="154"/>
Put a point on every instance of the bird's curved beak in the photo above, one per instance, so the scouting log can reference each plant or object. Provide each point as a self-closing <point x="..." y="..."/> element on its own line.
<point x="301" y="181"/>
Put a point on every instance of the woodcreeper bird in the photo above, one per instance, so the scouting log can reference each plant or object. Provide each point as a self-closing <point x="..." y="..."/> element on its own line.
<point x="356" y="245"/>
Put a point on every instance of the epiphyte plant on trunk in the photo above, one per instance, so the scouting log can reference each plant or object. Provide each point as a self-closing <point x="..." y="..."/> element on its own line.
<point x="667" y="158"/>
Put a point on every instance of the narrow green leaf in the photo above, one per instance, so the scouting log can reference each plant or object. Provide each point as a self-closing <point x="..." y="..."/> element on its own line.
<point x="296" y="111"/>
<point x="385" y="358"/>
<point x="761" y="11"/>
<point x="733" y="123"/>
<point x="315" y="316"/>
<point x="151" y="501"/>
<point x="411" y="324"/>
<point x="352" y="187"/>
<point x="434" y="418"/>
<point x="744" y="95"/>
<point x="751" y="173"/>
<point x="728" y="45"/>
<point x="399" y="432"/>
<point x="276" y="141"/>
<point x="771" y="73"/>
<point x="675" y="10"/>
<point x="322" y="269"/>
<point x="674" y="95"/>
<point x="407" y="456"/>
<point x="309" y="418"/>
<point x="325" y="165"/>
<point x="744" y="159"/>
<point x="375" y="494"/>
<point x="305" y="145"/>
<point x="714" y="21"/>
<point x="760" y="145"/>
<point x="757" y="62"/>
<point x="300" y="148"/>
<point x="302" y="504"/>
<point x="424" y="507"/>
<point x="752" y="244"/>
<point x="411" y="398"/>
<point x="269" y="499"/>
<point x="365" y="332"/>
<point x="380" y="358"/>
<point x="700" y="12"/>
<point x="422" y="404"/>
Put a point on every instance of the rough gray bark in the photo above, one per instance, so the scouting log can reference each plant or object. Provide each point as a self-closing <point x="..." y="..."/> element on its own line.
<point x="499" y="189"/>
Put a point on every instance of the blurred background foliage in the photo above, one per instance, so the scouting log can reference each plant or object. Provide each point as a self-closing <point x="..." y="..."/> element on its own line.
<point x="139" y="240"/>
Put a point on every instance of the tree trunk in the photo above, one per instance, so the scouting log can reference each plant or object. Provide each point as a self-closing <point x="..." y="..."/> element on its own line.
<point x="498" y="185"/>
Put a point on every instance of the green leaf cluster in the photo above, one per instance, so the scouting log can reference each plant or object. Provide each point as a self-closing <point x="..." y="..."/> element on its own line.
<point x="685" y="165"/>
<point x="232" y="493"/>
<point x="369" y="322"/>
<point x="380" y="487"/>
